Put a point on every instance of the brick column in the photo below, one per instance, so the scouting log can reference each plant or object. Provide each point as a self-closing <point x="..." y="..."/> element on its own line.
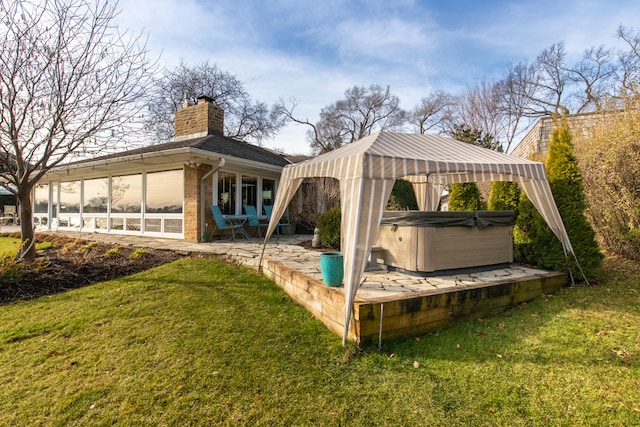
<point x="192" y="202"/>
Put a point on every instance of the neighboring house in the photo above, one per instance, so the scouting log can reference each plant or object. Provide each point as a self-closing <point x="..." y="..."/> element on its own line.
<point x="536" y="142"/>
<point x="162" y="190"/>
<point x="8" y="201"/>
<point x="8" y="207"/>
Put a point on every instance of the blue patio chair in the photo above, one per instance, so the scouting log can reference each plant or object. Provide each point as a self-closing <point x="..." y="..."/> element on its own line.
<point x="253" y="220"/>
<point x="284" y="220"/>
<point x="224" y="224"/>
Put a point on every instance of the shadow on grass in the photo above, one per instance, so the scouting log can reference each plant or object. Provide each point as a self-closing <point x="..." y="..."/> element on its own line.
<point x="590" y="325"/>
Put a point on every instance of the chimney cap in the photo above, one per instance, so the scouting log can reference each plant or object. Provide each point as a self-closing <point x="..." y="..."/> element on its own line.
<point x="206" y="98"/>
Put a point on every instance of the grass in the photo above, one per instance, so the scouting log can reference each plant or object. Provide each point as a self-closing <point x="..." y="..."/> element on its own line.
<point x="201" y="342"/>
<point x="9" y="246"/>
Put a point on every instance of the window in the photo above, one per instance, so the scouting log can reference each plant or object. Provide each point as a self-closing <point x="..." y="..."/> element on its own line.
<point x="133" y="224"/>
<point x="41" y="199"/>
<point x="164" y="192"/>
<point x="227" y="192"/>
<point x="70" y="197"/>
<point x="96" y="195"/>
<point x="268" y="190"/>
<point x="172" y="225"/>
<point x="117" y="223"/>
<point x="249" y="191"/>
<point x="54" y="201"/>
<point x="116" y="203"/>
<point x="153" y="225"/>
<point x="126" y="194"/>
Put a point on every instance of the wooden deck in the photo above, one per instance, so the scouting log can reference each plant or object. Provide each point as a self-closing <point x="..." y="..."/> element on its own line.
<point x="381" y="310"/>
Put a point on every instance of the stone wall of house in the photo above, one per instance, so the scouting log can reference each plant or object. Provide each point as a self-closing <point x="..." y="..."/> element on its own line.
<point x="202" y="119"/>
<point x="192" y="208"/>
<point x="208" y="201"/>
<point x="536" y="141"/>
<point x="195" y="205"/>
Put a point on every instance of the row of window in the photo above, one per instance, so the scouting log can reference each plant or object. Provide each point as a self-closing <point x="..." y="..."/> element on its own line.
<point x="140" y="203"/>
<point x="162" y="192"/>
<point x="114" y="203"/>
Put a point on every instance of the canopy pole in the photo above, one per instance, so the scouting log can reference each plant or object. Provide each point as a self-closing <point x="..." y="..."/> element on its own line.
<point x="380" y="329"/>
<point x="264" y="245"/>
<point x="346" y="328"/>
<point x="584" y="276"/>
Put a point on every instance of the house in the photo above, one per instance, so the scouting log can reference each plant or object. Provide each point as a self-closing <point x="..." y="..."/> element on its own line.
<point x="161" y="190"/>
<point x="536" y="142"/>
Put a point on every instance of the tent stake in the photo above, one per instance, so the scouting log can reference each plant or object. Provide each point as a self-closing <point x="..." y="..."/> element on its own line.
<point x="380" y="330"/>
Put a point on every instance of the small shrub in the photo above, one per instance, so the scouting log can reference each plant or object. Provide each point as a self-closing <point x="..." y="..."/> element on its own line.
<point x="139" y="253"/>
<point x="329" y="226"/>
<point x="69" y="247"/>
<point x="114" y="252"/>
<point x="10" y="271"/>
<point x="87" y="247"/>
<point x="608" y="152"/>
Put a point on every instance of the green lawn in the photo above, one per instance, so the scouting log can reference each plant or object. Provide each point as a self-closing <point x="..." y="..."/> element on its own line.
<point x="201" y="342"/>
<point x="9" y="246"/>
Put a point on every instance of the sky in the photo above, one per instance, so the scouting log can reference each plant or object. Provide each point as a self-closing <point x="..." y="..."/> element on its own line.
<point x="313" y="51"/>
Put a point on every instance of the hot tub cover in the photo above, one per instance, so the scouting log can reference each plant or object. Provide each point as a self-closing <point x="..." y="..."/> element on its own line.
<point x="368" y="168"/>
<point x="480" y="219"/>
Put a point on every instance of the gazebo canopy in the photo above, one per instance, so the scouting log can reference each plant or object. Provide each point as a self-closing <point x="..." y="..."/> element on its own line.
<point x="368" y="168"/>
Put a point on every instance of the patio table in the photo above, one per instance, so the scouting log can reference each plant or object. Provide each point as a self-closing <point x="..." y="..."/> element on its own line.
<point x="239" y="220"/>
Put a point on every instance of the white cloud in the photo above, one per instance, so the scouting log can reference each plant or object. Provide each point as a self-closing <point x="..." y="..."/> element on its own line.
<point x="314" y="51"/>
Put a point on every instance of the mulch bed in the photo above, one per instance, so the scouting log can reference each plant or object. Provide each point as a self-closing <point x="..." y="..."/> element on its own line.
<point x="73" y="263"/>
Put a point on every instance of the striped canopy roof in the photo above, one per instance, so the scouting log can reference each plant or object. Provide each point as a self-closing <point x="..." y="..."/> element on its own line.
<point x="368" y="168"/>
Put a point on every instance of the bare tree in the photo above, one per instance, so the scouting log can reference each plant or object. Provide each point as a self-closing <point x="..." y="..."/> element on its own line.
<point x="363" y="111"/>
<point x="593" y="79"/>
<point x="244" y="118"/>
<point x="539" y="87"/>
<point x="551" y="79"/>
<point x="551" y="86"/>
<point x="434" y="113"/>
<point x="628" y="73"/>
<point x="69" y="85"/>
<point x="479" y="108"/>
<point x="494" y="110"/>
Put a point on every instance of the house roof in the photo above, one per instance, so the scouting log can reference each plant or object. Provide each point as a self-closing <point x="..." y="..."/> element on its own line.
<point x="212" y="143"/>
<point x="208" y="149"/>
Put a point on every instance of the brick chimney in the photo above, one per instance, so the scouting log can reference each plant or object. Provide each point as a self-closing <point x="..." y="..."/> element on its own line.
<point x="202" y="119"/>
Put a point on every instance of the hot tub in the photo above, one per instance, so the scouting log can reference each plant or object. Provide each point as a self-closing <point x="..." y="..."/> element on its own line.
<point x="425" y="242"/>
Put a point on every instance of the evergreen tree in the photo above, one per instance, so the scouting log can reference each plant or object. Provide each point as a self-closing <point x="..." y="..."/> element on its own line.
<point x="505" y="195"/>
<point x="566" y="185"/>
<point x="528" y="222"/>
<point x="402" y="196"/>
<point x="465" y="197"/>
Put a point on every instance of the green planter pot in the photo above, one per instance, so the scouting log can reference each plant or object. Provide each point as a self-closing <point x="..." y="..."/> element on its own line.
<point x="332" y="267"/>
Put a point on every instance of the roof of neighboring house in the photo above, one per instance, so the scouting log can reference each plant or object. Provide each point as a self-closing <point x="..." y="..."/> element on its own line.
<point x="212" y="143"/>
<point x="297" y="158"/>
<point x="536" y="141"/>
